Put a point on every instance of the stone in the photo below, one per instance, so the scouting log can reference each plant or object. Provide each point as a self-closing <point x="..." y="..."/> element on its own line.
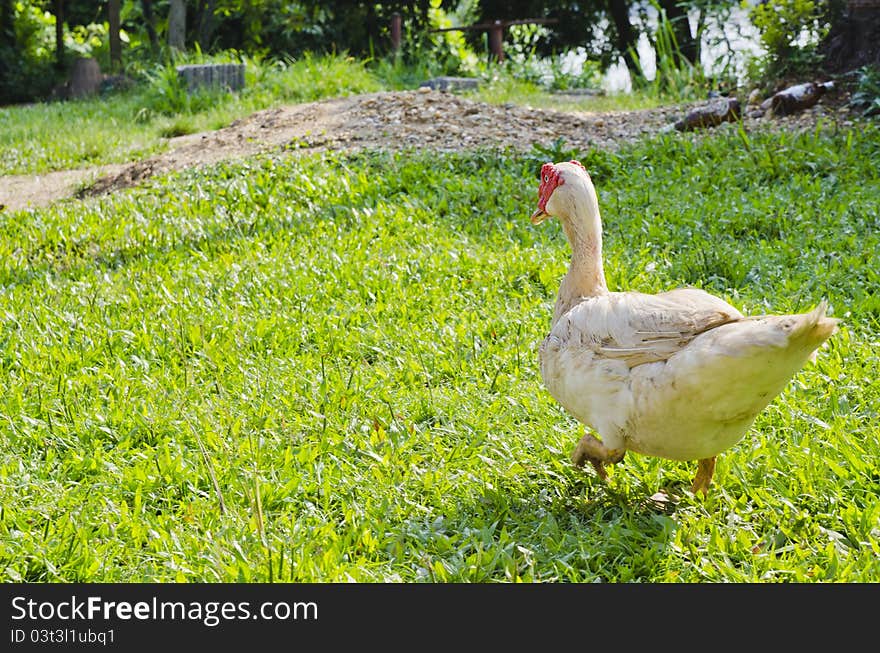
<point x="717" y="111"/>
<point x="796" y="98"/>
<point x="450" y="83"/>
<point x="581" y="92"/>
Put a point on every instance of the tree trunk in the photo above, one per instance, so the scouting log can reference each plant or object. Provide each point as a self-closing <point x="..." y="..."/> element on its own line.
<point x="626" y="37"/>
<point x="115" y="42"/>
<point x="854" y="40"/>
<point x="59" y="34"/>
<point x="205" y="23"/>
<point x="7" y="31"/>
<point x="85" y="77"/>
<point x="147" y="6"/>
<point x="681" y="27"/>
<point x="177" y="25"/>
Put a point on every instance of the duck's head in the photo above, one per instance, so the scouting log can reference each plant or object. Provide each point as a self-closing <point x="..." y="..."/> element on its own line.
<point x="566" y="192"/>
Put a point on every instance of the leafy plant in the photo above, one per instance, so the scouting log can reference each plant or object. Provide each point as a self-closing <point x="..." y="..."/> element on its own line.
<point x="866" y="96"/>
<point x="557" y="150"/>
<point x="790" y="31"/>
<point x="27" y="53"/>
<point x="675" y="77"/>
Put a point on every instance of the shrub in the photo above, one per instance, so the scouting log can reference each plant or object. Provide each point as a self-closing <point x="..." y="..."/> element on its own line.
<point x="866" y="97"/>
<point x="790" y="31"/>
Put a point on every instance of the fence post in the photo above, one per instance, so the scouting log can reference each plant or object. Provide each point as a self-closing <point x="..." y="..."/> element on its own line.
<point x="396" y="33"/>
<point x="496" y="41"/>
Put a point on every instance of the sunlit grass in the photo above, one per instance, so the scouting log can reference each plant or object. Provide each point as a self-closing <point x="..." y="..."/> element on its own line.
<point x="134" y="124"/>
<point x="353" y="340"/>
<point x="505" y="89"/>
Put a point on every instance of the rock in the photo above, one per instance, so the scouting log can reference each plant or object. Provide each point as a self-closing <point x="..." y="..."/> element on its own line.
<point x="710" y="115"/>
<point x="796" y="98"/>
<point x="589" y="92"/>
<point x="450" y="83"/>
<point x="754" y="98"/>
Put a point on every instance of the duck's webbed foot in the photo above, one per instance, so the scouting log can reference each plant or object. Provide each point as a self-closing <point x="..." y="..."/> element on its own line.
<point x="591" y="450"/>
<point x="705" y="470"/>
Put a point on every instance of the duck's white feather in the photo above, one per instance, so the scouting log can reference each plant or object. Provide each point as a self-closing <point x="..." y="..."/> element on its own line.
<point x="679" y="374"/>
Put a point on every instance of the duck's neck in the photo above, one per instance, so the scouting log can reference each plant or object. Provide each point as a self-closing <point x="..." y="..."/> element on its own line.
<point x="585" y="276"/>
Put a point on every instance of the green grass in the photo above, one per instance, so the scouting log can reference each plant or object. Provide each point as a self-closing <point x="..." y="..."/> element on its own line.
<point x="505" y="89"/>
<point x="134" y="124"/>
<point x="324" y="369"/>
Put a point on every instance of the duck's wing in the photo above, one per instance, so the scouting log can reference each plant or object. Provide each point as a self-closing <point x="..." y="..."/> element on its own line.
<point x="639" y="328"/>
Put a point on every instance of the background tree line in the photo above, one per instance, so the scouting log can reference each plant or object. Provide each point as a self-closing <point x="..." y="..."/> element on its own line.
<point x="31" y="61"/>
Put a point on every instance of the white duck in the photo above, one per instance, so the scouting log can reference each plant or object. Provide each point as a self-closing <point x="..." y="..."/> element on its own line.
<point x="679" y="375"/>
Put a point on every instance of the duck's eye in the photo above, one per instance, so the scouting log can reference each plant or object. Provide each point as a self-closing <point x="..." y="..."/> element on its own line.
<point x="546" y="179"/>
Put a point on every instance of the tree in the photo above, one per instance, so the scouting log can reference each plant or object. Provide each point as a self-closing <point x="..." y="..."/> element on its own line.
<point x="578" y="24"/>
<point x="177" y="25"/>
<point x="677" y="13"/>
<point x="59" y="34"/>
<point x="8" y="47"/>
<point x="853" y="39"/>
<point x="626" y="37"/>
<point x="205" y="22"/>
<point x="113" y="34"/>
<point x="150" y="24"/>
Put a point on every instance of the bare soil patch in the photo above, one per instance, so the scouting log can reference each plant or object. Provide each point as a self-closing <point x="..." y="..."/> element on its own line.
<point x="389" y="120"/>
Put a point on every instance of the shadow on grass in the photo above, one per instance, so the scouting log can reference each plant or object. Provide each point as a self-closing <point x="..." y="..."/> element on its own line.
<point x="568" y="527"/>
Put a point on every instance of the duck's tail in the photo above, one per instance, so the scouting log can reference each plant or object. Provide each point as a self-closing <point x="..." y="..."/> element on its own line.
<point x="814" y="327"/>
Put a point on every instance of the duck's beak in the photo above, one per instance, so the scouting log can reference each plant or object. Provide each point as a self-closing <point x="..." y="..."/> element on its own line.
<point x="538" y="217"/>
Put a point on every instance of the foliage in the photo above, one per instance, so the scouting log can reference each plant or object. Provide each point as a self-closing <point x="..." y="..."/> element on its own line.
<point x="791" y="31"/>
<point x="27" y="53"/>
<point x="524" y="61"/>
<point x="720" y="29"/>
<point x="133" y="124"/>
<point x="675" y="77"/>
<point x="575" y="26"/>
<point x="280" y="30"/>
<point x="866" y="96"/>
<point x="450" y="49"/>
<point x="322" y="368"/>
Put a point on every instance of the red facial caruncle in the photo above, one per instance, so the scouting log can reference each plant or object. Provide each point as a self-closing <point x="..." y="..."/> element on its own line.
<point x="550" y="179"/>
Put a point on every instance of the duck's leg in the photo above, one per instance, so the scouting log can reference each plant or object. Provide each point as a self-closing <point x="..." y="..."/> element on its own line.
<point x="591" y="449"/>
<point x="705" y="470"/>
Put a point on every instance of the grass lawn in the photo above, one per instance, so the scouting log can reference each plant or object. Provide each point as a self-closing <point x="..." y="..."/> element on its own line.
<point x="325" y="369"/>
<point x="134" y="124"/>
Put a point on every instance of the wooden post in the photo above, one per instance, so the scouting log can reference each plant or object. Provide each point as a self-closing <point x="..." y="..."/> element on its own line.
<point x="115" y="42"/>
<point x="496" y="41"/>
<point x="396" y="32"/>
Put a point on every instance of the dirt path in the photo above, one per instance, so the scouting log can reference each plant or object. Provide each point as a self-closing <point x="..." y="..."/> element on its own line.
<point x="390" y="120"/>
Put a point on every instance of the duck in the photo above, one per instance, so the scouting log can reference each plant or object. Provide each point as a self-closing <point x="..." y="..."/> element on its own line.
<point x="679" y="375"/>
